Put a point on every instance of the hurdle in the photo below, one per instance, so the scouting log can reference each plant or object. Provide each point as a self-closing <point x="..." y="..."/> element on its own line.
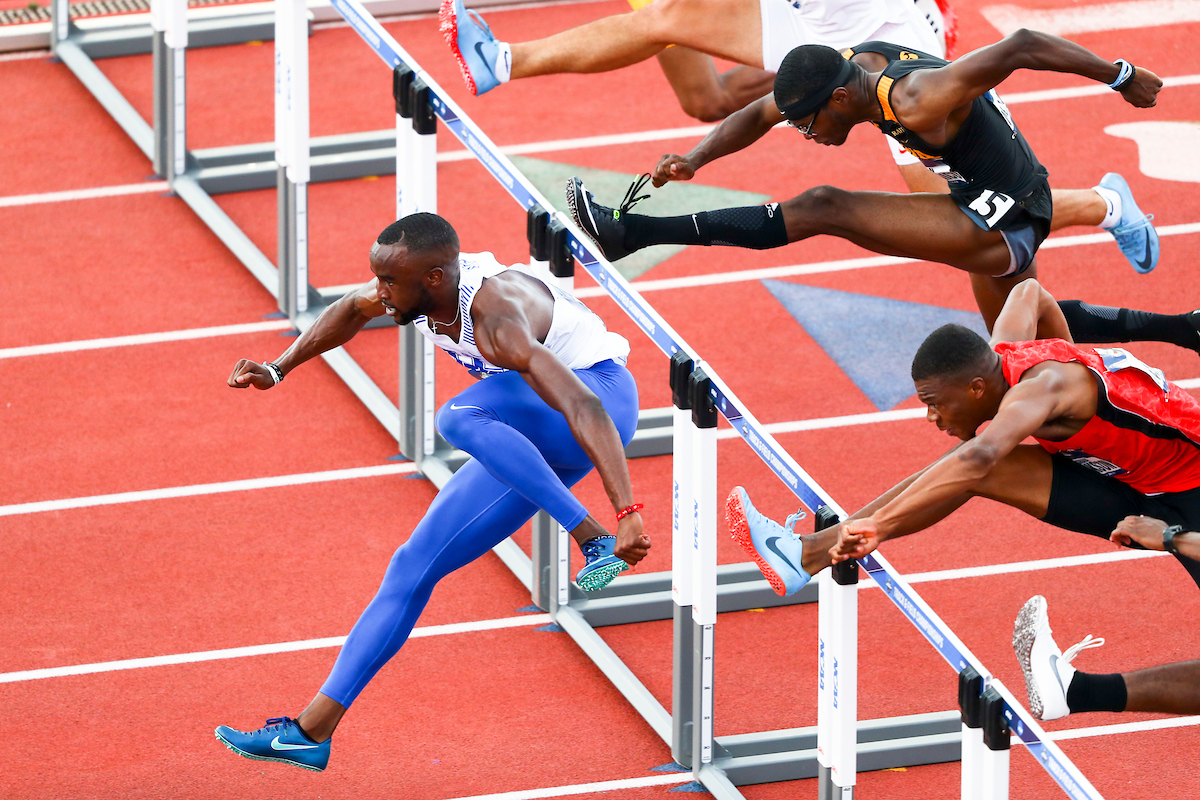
<point x="840" y="745"/>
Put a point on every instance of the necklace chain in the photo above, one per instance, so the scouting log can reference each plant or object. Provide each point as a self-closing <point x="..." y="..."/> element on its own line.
<point x="434" y="324"/>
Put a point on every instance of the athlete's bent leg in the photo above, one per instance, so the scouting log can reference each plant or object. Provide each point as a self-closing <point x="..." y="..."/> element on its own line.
<point x="470" y="515"/>
<point x="730" y="29"/>
<point x="1167" y="689"/>
<point x="704" y="93"/>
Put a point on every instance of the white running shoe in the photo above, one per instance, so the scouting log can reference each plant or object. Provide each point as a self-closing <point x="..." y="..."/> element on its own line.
<point x="1048" y="671"/>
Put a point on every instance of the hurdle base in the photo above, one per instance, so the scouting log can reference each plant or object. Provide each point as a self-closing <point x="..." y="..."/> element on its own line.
<point x="889" y="743"/>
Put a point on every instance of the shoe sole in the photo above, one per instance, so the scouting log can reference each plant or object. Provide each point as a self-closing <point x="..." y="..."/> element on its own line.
<point x="739" y="529"/>
<point x="1024" y="632"/>
<point x="601" y="576"/>
<point x="448" y="24"/>
<point x="575" y="191"/>
<point x="253" y="757"/>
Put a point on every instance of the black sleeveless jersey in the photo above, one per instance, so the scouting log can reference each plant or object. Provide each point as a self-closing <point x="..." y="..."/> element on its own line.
<point x="988" y="153"/>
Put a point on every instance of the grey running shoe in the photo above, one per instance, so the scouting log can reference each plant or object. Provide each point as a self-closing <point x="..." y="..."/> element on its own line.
<point x="1048" y="672"/>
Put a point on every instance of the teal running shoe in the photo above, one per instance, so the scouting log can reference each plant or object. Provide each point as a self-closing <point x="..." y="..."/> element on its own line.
<point x="279" y="740"/>
<point x="777" y="550"/>
<point x="1134" y="234"/>
<point x="601" y="566"/>
<point x="474" y="46"/>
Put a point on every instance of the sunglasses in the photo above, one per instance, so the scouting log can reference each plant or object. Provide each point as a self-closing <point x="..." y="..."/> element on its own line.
<point x="807" y="128"/>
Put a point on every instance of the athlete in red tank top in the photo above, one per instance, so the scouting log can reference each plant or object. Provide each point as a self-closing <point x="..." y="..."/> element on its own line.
<point x="1146" y="430"/>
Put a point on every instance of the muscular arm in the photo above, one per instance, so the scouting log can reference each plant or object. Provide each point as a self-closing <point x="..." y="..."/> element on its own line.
<point x="1048" y="394"/>
<point x="737" y="132"/>
<point x="336" y="325"/>
<point x="927" y="98"/>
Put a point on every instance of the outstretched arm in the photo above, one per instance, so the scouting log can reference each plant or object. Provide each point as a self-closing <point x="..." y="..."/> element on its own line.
<point x="1030" y="312"/>
<point x="336" y="325"/>
<point x="1026" y="408"/>
<point x="927" y="97"/>
<point x="738" y="131"/>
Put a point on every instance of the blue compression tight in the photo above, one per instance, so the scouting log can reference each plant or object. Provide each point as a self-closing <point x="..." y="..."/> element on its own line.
<point x="524" y="458"/>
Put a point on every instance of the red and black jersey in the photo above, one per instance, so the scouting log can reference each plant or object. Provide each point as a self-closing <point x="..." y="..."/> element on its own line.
<point x="1146" y="431"/>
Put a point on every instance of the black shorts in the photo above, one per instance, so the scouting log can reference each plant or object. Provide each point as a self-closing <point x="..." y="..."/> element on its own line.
<point x="1085" y="501"/>
<point x="1025" y="224"/>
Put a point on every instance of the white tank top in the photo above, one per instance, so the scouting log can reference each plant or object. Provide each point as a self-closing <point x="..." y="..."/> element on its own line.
<point x="577" y="336"/>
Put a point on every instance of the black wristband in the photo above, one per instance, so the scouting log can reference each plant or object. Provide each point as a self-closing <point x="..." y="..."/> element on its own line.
<point x="275" y="371"/>
<point x="1169" y="538"/>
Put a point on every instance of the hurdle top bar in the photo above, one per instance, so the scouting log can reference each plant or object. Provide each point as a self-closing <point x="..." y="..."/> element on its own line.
<point x="811" y="494"/>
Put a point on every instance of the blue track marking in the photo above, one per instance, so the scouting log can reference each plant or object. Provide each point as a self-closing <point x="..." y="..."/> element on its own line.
<point x="872" y="339"/>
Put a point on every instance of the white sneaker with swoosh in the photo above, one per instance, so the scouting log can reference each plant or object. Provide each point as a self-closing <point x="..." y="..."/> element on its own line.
<point x="778" y="551"/>
<point x="1048" y="671"/>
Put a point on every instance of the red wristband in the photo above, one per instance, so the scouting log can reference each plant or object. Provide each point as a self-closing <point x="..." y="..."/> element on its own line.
<point x="625" y="512"/>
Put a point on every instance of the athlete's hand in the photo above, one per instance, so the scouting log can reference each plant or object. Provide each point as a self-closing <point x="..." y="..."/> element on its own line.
<point x="1143" y="90"/>
<point x="672" y="168"/>
<point x="247" y="373"/>
<point x="632" y="542"/>
<point x="1146" y="531"/>
<point x="857" y="538"/>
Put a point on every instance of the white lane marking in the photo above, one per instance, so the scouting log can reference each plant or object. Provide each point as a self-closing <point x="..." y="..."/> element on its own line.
<point x="1093" y="18"/>
<point x="144" y="338"/>
<point x="195" y="490"/>
<point x="85" y="194"/>
<point x="584" y="788"/>
<point x="1026" y="566"/>
<point x="262" y="649"/>
<point x="22" y="55"/>
<point x="1124" y="727"/>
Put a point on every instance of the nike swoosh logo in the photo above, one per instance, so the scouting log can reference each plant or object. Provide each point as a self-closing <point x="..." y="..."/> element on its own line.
<point x="460" y="408"/>
<point x="278" y="745"/>
<point x="1057" y="677"/>
<point x="774" y="548"/>
<point x="696" y="223"/>
<point x="482" y="57"/>
<point x="1144" y="264"/>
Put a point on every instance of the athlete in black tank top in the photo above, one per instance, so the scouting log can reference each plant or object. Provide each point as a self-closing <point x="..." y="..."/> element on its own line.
<point x="992" y="224"/>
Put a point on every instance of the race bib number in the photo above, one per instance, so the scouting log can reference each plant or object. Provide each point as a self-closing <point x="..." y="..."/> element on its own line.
<point x="991" y="206"/>
<point x="1116" y="359"/>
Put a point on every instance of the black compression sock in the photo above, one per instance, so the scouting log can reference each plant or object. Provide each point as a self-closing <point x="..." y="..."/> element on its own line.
<point x="1101" y="324"/>
<point x="757" y="227"/>
<point x="1097" y="693"/>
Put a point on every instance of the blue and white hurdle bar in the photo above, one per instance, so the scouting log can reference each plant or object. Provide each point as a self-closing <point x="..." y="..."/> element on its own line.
<point x="694" y="569"/>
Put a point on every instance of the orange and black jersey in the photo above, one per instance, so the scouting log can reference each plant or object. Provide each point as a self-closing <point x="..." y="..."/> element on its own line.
<point x="988" y="152"/>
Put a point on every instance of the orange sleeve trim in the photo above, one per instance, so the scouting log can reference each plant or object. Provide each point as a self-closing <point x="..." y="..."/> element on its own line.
<point x="883" y="91"/>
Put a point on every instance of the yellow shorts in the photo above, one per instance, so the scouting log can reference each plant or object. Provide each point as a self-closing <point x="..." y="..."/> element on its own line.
<point x="636" y="4"/>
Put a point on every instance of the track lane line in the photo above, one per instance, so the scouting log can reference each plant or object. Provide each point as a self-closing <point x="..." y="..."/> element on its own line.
<point x="262" y="649"/>
<point x="196" y="490"/>
<point x="145" y="338"/>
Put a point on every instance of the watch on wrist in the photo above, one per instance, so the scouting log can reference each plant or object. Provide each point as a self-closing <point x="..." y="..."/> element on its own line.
<point x="1169" y="534"/>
